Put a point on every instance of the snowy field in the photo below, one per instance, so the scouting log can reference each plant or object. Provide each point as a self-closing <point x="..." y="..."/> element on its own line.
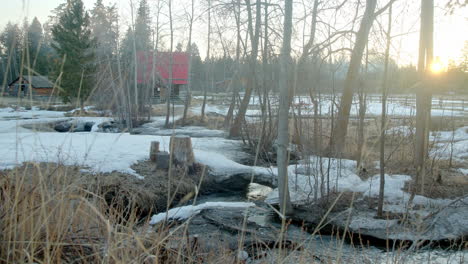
<point x="396" y="106"/>
<point x="106" y="152"/>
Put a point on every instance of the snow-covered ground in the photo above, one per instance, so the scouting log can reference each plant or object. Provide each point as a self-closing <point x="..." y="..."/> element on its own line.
<point x="401" y="107"/>
<point x="446" y="143"/>
<point x="306" y="178"/>
<point x="104" y="152"/>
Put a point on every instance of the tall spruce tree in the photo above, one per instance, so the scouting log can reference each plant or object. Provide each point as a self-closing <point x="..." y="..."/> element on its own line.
<point x="10" y="39"/>
<point x="104" y="28"/>
<point x="74" y="44"/>
<point x="37" y="48"/>
<point x="142" y="27"/>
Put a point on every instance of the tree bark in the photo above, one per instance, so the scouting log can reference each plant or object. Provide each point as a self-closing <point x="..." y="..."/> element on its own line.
<point x="283" y="115"/>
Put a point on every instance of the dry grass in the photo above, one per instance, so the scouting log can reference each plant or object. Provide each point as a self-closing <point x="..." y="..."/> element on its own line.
<point x="210" y="121"/>
<point x="48" y="214"/>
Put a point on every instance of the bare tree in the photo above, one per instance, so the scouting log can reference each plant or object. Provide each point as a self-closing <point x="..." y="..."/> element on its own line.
<point x="423" y="95"/>
<point x="252" y="80"/>
<point x="208" y="75"/>
<point x="235" y="80"/>
<point x="283" y="115"/>
<point x="189" y="50"/>
<point x="169" y="88"/>
<point x="362" y="95"/>
<point x="352" y="76"/>
<point x="384" y="113"/>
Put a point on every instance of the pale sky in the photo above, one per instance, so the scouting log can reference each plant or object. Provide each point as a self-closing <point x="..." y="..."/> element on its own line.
<point x="451" y="31"/>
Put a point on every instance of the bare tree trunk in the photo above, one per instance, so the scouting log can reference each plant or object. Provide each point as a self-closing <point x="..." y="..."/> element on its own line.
<point x="362" y="116"/>
<point x="263" y="101"/>
<point x="252" y="81"/>
<point x="169" y="90"/>
<point x="283" y="115"/>
<point x="235" y="80"/>
<point x="423" y="96"/>
<point x="208" y="73"/>
<point x="384" y="116"/>
<point x="135" y="71"/>
<point x="351" y="81"/>
<point x="361" y="134"/>
<point x="189" y="50"/>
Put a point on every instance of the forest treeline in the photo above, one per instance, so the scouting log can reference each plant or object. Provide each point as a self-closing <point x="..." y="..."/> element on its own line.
<point x="77" y="47"/>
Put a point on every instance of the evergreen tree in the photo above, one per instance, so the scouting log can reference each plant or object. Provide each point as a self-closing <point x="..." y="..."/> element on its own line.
<point x="142" y="27"/>
<point x="179" y="47"/>
<point x="197" y="69"/>
<point x="104" y="29"/>
<point x="37" y="48"/>
<point x="74" y="44"/>
<point x="10" y="40"/>
<point x="126" y="47"/>
<point x="137" y="38"/>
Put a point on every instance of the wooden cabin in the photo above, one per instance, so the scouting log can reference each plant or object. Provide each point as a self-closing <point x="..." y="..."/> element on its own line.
<point x="40" y="85"/>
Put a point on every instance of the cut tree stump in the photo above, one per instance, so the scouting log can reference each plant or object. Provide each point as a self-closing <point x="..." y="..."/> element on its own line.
<point x="162" y="160"/>
<point x="154" y="149"/>
<point x="182" y="152"/>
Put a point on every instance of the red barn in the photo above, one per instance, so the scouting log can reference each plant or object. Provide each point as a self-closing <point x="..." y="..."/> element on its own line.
<point x="159" y="66"/>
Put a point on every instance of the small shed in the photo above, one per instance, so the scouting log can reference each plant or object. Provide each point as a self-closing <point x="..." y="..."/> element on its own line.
<point x="40" y="86"/>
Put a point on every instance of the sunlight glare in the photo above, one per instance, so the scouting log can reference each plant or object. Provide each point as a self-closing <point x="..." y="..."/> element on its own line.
<point x="436" y="66"/>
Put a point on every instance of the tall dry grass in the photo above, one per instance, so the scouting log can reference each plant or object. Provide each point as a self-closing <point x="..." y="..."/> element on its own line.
<point x="46" y="216"/>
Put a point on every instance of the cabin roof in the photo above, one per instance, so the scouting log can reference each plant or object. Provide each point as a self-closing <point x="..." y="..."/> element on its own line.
<point x="36" y="81"/>
<point x="162" y="64"/>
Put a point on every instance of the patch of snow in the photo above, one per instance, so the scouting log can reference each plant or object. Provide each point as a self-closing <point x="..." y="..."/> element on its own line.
<point x="21" y="113"/>
<point x="446" y="136"/>
<point x="367" y="221"/>
<point x="305" y="180"/>
<point x="185" y="212"/>
<point x="404" y="131"/>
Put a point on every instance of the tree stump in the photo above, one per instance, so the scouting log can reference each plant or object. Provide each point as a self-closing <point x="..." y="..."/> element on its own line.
<point x="154" y="149"/>
<point x="162" y="160"/>
<point x="182" y="152"/>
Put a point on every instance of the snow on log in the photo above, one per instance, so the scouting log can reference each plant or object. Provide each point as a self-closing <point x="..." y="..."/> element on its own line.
<point x="182" y="152"/>
<point x="185" y="212"/>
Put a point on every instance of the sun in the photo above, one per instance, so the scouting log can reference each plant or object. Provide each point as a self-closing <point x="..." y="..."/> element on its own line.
<point x="436" y="66"/>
